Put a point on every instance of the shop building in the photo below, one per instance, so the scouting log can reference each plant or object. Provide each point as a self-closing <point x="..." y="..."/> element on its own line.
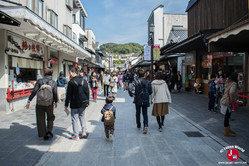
<point x="200" y="61"/>
<point x="44" y="39"/>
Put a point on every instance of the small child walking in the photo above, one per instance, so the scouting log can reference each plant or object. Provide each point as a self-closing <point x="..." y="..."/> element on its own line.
<point x="109" y="116"/>
<point x="211" y="93"/>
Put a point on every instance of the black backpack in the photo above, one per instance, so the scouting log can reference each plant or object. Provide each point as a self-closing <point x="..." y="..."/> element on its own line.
<point x="143" y="96"/>
<point x="83" y="97"/>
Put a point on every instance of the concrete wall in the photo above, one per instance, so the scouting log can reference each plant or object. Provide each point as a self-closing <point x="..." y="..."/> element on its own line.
<point x="3" y="71"/>
<point x="173" y="19"/>
<point x="58" y="6"/>
<point x="91" y="39"/>
<point x="158" y="22"/>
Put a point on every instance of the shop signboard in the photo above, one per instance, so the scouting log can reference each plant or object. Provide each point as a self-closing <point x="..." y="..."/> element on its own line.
<point x="21" y="47"/>
<point x="147" y="53"/>
<point x="53" y="61"/>
<point x="189" y="59"/>
<point x="85" y="69"/>
<point x="156" y="53"/>
<point x="217" y="55"/>
<point x="207" y="61"/>
<point x="75" y="65"/>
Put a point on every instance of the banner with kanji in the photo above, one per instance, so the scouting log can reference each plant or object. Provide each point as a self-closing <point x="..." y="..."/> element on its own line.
<point x="156" y="53"/>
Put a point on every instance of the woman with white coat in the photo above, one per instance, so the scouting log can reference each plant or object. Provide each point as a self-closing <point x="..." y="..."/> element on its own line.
<point x="160" y="98"/>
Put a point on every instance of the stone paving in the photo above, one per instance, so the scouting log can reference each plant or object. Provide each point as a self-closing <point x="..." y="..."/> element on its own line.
<point x="195" y="106"/>
<point x="21" y="146"/>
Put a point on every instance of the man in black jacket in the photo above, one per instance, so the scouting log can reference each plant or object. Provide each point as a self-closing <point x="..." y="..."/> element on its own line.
<point x="77" y="109"/>
<point x="43" y="111"/>
<point x="140" y="83"/>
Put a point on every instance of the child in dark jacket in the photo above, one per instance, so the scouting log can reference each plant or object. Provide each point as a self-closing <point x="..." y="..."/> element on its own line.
<point x="110" y="127"/>
<point x="211" y="94"/>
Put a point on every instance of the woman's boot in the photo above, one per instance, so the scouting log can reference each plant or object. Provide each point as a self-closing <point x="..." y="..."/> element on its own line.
<point x="231" y="131"/>
<point x="228" y="133"/>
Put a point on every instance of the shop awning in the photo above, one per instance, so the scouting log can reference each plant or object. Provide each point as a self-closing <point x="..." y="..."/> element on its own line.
<point x="195" y="42"/>
<point x="90" y="51"/>
<point x="232" y="39"/>
<point x="6" y="19"/>
<point x="141" y="63"/>
<point x="36" y="28"/>
<point x="88" y="63"/>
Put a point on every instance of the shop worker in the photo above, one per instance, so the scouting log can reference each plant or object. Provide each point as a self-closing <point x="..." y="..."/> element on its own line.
<point x="46" y="91"/>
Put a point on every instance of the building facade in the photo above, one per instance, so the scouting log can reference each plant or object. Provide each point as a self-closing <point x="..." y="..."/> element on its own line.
<point x="163" y="24"/>
<point x="44" y="39"/>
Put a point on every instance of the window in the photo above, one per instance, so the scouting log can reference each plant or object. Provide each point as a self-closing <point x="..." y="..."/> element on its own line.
<point x="74" y="37"/>
<point x="81" y="21"/>
<point x="36" y="6"/>
<point x="67" y="31"/>
<point x="52" y="18"/>
<point x="74" y="19"/>
<point x="69" y="4"/>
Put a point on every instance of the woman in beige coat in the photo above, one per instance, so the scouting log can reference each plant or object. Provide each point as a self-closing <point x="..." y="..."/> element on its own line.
<point x="160" y="97"/>
<point x="230" y="95"/>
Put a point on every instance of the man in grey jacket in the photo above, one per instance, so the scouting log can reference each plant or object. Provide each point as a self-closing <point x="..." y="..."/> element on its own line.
<point x="42" y="112"/>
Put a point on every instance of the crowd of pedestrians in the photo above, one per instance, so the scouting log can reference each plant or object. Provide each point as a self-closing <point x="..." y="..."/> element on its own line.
<point x="141" y="86"/>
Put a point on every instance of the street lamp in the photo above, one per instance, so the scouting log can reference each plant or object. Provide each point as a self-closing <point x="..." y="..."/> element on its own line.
<point x="152" y="29"/>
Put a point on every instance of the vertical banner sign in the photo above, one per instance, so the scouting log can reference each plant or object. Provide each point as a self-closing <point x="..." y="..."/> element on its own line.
<point x="156" y="53"/>
<point x="75" y="65"/>
<point x="147" y="53"/>
<point x="111" y="63"/>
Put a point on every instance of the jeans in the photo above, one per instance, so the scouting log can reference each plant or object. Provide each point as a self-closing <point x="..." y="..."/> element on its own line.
<point x="94" y="92"/>
<point x="226" y="118"/>
<point x="145" y="115"/>
<point x="78" y="113"/>
<point x="41" y="113"/>
<point x="106" y="90"/>
<point x="211" y="101"/>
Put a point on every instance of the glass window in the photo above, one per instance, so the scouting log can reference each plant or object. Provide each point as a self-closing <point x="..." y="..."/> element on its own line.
<point x="36" y="7"/>
<point x="30" y="4"/>
<point x="49" y="16"/>
<point x="74" y="37"/>
<point x="52" y="18"/>
<point x="41" y="8"/>
<point x="81" y="21"/>
<point x="74" y="19"/>
<point x="67" y="31"/>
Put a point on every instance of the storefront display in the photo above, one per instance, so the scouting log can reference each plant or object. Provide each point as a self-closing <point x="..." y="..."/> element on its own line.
<point x="25" y="61"/>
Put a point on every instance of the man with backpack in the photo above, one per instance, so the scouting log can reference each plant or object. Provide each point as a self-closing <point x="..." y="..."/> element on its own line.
<point x="141" y="95"/>
<point x="46" y="91"/>
<point x="78" y="96"/>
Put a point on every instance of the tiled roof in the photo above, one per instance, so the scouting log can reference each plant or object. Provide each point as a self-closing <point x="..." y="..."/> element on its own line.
<point x="177" y="34"/>
<point x="191" y="3"/>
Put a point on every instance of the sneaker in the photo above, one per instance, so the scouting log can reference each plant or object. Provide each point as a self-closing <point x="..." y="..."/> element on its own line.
<point x="145" y="130"/>
<point x="160" y="129"/>
<point x="111" y="138"/>
<point x="75" y="138"/>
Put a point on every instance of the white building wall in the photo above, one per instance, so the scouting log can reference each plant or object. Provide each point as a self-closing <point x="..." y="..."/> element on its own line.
<point x="158" y="23"/>
<point x="91" y="39"/>
<point x="173" y="19"/>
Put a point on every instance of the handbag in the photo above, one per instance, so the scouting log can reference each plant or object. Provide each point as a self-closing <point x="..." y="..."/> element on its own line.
<point x="112" y="85"/>
<point x="233" y="105"/>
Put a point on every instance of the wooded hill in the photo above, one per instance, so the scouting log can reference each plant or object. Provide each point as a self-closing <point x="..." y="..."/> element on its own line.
<point x="121" y="48"/>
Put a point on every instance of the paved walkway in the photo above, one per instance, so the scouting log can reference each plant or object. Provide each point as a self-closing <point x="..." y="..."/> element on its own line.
<point x="21" y="146"/>
<point x="195" y="108"/>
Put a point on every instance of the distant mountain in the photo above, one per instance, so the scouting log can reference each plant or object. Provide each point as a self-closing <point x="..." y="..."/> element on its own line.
<point x="121" y="48"/>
